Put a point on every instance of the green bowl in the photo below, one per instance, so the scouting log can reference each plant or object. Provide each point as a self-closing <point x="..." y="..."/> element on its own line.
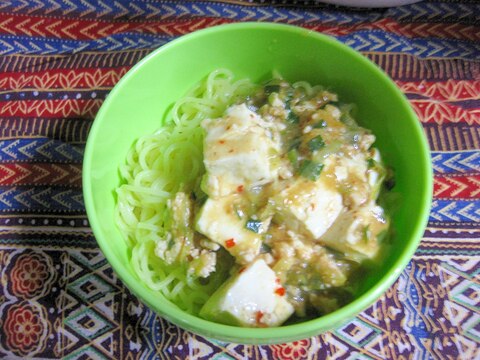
<point x="137" y="105"/>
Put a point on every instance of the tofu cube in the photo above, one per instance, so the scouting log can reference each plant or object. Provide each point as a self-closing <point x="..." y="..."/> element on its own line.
<point x="237" y="151"/>
<point x="219" y="222"/>
<point x="308" y="207"/>
<point x="253" y="297"/>
<point x="355" y="232"/>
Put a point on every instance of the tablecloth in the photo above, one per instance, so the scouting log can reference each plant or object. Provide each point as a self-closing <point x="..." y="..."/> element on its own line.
<point x="59" y="298"/>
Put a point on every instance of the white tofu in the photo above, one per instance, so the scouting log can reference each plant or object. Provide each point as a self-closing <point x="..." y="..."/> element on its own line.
<point x="219" y="222"/>
<point x="355" y="232"/>
<point x="249" y="298"/>
<point x="308" y="207"/>
<point x="238" y="150"/>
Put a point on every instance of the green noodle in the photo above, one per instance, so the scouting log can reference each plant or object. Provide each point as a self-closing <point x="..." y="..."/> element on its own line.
<point x="157" y="167"/>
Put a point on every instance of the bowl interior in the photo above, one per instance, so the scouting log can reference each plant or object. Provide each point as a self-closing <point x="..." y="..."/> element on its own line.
<point x="137" y="105"/>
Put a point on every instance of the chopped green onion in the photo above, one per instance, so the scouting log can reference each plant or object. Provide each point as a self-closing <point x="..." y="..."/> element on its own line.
<point x="310" y="170"/>
<point x="371" y="163"/>
<point x="366" y="234"/>
<point x="337" y="254"/>
<point x="253" y="225"/>
<point x="288" y="98"/>
<point x="294" y="144"/>
<point x="271" y="89"/>
<point x="334" y="103"/>
<point x="347" y="118"/>
<point x="382" y="236"/>
<point x="292" y="118"/>
<point x="327" y="150"/>
<point x="321" y="124"/>
<point x="272" y="98"/>
<point x="265" y="248"/>
<point x="316" y="143"/>
<point x="293" y="157"/>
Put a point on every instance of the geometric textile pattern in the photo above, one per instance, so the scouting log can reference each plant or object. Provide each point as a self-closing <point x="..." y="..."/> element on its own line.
<point x="59" y="298"/>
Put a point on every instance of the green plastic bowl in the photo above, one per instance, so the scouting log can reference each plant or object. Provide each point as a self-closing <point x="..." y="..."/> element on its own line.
<point x="137" y="105"/>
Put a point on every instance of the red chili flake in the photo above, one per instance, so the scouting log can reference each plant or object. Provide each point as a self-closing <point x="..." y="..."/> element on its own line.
<point x="240" y="188"/>
<point x="277" y="280"/>
<point x="222" y="141"/>
<point x="280" y="291"/>
<point x="242" y="269"/>
<point x="258" y="317"/>
<point x="230" y="243"/>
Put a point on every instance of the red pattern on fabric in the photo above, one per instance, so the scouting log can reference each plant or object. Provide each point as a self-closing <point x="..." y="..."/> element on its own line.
<point x="41" y="174"/>
<point x="292" y="351"/>
<point x="453" y="31"/>
<point x="23" y="329"/>
<point x="84" y="29"/>
<point x="430" y="111"/>
<point x="29" y="275"/>
<point x="457" y="187"/>
<point x="51" y="108"/>
<point x="450" y="90"/>
<point x="63" y="79"/>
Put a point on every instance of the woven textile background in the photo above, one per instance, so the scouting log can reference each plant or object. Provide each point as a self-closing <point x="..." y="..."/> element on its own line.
<point x="58" y="61"/>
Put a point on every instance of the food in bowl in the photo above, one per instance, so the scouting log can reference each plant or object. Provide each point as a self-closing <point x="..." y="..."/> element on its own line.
<point x="255" y="205"/>
<point x="137" y="105"/>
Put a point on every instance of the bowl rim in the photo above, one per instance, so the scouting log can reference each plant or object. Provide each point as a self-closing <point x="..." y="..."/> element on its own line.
<point x="259" y="335"/>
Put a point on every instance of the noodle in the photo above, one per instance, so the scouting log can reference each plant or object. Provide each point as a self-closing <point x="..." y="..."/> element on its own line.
<point x="157" y="167"/>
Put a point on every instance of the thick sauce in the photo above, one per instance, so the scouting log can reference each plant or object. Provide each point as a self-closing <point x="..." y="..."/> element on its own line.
<point x="291" y="180"/>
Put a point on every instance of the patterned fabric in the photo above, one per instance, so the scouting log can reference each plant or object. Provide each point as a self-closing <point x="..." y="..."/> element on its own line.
<point x="59" y="59"/>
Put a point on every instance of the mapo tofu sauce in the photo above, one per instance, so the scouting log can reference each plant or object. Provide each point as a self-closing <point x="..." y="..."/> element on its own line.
<point x="291" y="181"/>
